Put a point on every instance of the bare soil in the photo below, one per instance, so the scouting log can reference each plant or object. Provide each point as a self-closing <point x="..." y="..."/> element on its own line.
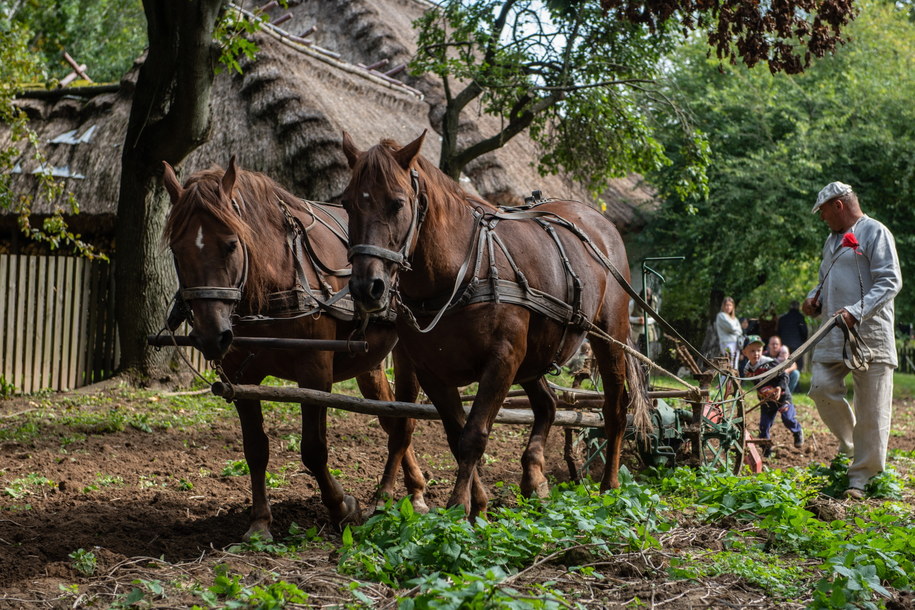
<point x="172" y="515"/>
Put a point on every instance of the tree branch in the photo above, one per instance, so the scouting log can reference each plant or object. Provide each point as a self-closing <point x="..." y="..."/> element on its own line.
<point x="516" y="124"/>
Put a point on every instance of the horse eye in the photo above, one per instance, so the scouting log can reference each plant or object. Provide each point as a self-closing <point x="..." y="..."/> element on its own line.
<point x="397" y="204"/>
<point x="231" y="246"/>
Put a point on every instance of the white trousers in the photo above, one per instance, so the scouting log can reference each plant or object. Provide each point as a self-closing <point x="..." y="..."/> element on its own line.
<point x="865" y="431"/>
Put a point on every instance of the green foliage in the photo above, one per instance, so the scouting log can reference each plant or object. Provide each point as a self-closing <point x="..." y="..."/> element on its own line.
<point x="84" y="561"/>
<point x="768" y="572"/>
<point x="582" y="80"/>
<point x="859" y="555"/>
<point x="834" y="477"/>
<point x="106" y="35"/>
<point x="7" y="389"/>
<point x="240" y="468"/>
<point x="236" y="468"/>
<point x="229" y="592"/>
<point x="445" y="556"/>
<point x="297" y="540"/>
<point x="17" y="66"/>
<point x="776" y="140"/>
<point x="233" y="33"/>
<point x="104" y="480"/>
<point x="137" y="595"/>
<point x="26" y="485"/>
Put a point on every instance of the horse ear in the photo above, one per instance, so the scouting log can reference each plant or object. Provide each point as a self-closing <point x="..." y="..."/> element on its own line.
<point x="349" y="149"/>
<point x="170" y="180"/>
<point x="228" y="179"/>
<point x="405" y="155"/>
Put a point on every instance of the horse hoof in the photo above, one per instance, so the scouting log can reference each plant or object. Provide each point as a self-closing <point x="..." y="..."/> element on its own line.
<point x="420" y="506"/>
<point x="261" y="531"/>
<point x="542" y="490"/>
<point x="349" y="512"/>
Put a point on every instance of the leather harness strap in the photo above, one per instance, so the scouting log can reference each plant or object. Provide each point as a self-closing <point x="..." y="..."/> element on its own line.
<point x="302" y="300"/>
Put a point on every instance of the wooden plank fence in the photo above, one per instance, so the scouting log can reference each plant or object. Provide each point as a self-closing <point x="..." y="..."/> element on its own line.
<point x="57" y="326"/>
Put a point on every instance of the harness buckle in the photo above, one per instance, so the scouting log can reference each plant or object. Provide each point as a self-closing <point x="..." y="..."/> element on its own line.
<point x="579" y="321"/>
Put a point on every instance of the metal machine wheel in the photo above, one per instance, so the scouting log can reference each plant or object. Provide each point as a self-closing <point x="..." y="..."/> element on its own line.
<point x="721" y="429"/>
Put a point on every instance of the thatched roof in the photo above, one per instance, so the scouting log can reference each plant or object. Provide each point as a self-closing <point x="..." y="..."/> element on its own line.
<point x="284" y="116"/>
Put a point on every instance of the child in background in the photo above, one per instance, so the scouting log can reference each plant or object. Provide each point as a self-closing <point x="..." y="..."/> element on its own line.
<point x="774" y="396"/>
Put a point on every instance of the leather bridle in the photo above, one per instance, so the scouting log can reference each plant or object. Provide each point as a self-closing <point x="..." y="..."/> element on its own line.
<point x="402" y="257"/>
<point x="232" y="294"/>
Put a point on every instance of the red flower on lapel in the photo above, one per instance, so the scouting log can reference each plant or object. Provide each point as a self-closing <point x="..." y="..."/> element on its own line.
<point x="850" y="241"/>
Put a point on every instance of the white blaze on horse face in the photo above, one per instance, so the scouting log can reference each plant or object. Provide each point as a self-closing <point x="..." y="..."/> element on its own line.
<point x="199" y="240"/>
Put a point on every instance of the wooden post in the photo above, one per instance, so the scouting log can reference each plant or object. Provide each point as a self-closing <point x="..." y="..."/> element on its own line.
<point x="78" y="68"/>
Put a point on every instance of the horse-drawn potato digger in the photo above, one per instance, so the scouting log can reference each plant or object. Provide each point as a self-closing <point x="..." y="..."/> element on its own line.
<point x="470" y="294"/>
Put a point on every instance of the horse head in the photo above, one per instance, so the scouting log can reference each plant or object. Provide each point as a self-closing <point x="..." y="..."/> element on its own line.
<point x="203" y="231"/>
<point x="385" y="211"/>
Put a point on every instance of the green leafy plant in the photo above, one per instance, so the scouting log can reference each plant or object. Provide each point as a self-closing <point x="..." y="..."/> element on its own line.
<point x="26" y="485"/>
<point x="84" y="561"/>
<point x="229" y="589"/>
<point x="7" y="389"/>
<point x="236" y="468"/>
<point x="443" y="554"/>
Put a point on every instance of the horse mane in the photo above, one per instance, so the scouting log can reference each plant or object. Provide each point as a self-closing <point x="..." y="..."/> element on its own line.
<point x="258" y="198"/>
<point x="381" y="166"/>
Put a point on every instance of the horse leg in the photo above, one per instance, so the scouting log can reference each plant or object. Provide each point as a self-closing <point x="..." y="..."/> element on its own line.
<point x="447" y="401"/>
<point x="543" y="403"/>
<point x="257" y="454"/>
<point x="611" y="362"/>
<point x="406" y="389"/>
<point x="374" y="384"/>
<point x="493" y="388"/>
<point x="341" y="507"/>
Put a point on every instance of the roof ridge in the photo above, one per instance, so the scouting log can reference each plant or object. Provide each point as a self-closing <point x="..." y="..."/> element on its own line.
<point x="329" y="57"/>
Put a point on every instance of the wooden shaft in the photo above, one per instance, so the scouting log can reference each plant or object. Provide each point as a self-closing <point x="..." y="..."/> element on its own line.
<point x="331" y="345"/>
<point x="317" y="398"/>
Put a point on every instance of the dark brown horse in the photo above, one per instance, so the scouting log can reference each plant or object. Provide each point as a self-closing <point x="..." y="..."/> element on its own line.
<point x="240" y="243"/>
<point x="488" y="295"/>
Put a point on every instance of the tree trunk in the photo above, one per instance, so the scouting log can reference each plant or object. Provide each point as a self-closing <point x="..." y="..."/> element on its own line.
<point x="169" y="118"/>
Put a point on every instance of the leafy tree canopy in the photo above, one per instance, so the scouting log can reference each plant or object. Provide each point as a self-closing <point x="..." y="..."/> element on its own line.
<point x="785" y="35"/>
<point x="106" y="35"/>
<point x="583" y="83"/>
<point x="776" y="140"/>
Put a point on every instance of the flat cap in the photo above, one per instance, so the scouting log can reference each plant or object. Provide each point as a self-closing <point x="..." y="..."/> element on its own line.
<point x="830" y="192"/>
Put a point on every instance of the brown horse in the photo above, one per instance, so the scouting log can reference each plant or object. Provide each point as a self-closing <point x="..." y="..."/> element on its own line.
<point x="239" y="242"/>
<point x="488" y="295"/>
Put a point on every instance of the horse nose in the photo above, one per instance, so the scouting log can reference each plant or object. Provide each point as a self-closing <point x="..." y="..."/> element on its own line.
<point x="213" y="347"/>
<point x="376" y="290"/>
<point x="225" y="340"/>
<point x="369" y="292"/>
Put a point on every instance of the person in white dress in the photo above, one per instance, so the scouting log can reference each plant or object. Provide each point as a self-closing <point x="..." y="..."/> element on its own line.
<point x="727" y="325"/>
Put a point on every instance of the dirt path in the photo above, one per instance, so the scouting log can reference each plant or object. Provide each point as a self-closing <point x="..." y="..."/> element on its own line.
<point x="160" y="493"/>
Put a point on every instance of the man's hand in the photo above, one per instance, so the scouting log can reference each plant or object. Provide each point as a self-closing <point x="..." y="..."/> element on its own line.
<point x="811" y="306"/>
<point x="850" y="320"/>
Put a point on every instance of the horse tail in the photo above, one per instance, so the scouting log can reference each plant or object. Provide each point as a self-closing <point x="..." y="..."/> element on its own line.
<point x="639" y="403"/>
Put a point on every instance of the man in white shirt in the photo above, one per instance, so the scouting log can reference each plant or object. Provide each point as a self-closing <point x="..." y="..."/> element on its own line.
<point x="859" y="278"/>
